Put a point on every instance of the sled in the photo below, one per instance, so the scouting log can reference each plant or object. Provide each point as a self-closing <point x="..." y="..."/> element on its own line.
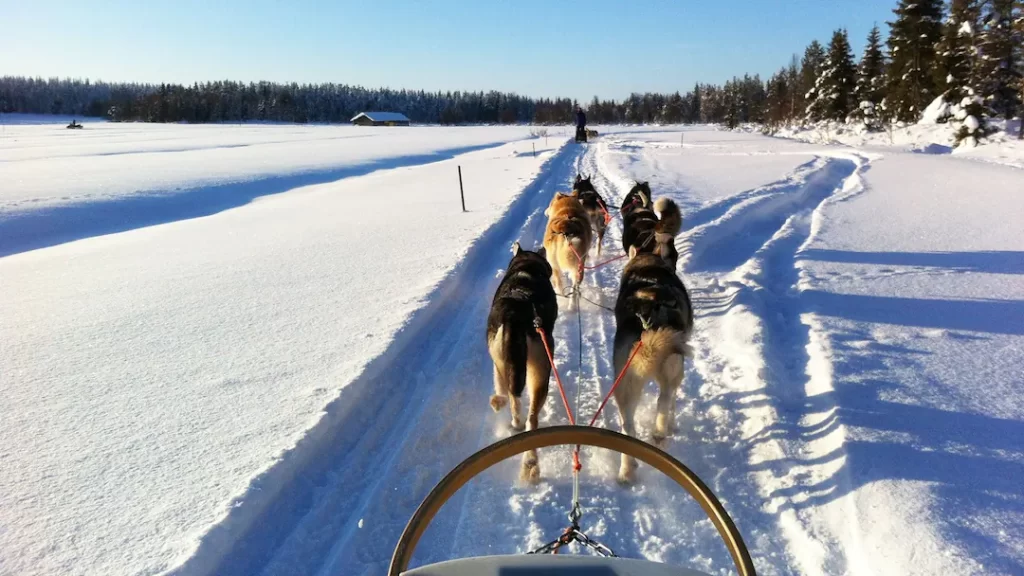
<point x="545" y="561"/>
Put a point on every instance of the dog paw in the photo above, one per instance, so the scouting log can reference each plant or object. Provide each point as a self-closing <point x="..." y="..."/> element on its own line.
<point x="498" y="402"/>
<point x="659" y="441"/>
<point x="517" y="426"/>
<point x="530" y="471"/>
<point x="627" y="473"/>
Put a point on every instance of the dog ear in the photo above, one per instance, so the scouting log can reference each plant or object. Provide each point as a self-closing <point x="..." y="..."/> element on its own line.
<point x="516" y="248"/>
<point x="543" y="252"/>
<point x="632" y="252"/>
<point x="579" y="178"/>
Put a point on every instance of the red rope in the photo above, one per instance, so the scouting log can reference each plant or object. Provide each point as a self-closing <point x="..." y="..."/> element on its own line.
<point x="576" y="466"/>
<point x="596" y="266"/>
<point x="616" y="384"/>
<point x="561" y="388"/>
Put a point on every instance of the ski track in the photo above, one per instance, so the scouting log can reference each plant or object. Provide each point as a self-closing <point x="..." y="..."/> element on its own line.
<point x="750" y="419"/>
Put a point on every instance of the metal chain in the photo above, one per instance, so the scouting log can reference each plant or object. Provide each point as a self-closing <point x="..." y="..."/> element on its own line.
<point x="574" y="534"/>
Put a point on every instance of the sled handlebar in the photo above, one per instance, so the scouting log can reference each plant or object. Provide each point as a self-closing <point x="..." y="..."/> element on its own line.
<point x="560" y="436"/>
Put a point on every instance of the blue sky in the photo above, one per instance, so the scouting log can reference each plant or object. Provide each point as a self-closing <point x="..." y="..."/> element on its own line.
<point x="539" y="48"/>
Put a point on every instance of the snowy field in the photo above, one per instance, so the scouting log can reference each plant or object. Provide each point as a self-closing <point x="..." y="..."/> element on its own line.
<point x="243" y="350"/>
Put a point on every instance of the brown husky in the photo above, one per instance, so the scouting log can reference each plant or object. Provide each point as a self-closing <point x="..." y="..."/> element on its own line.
<point x="654" y="309"/>
<point x="568" y="234"/>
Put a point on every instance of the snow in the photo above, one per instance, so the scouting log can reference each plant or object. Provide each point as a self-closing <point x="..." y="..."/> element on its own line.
<point x="1000" y="147"/>
<point x="273" y="385"/>
<point x="936" y="111"/>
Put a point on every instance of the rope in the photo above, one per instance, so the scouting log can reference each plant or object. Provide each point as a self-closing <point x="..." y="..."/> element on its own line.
<point x="573" y="533"/>
<point x="576" y="512"/>
<point x="551" y="359"/>
<point x="596" y="266"/>
<point x="639" y="344"/>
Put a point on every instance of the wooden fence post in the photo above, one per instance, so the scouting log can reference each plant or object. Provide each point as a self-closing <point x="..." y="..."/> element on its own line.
<point x="462" y="193"/>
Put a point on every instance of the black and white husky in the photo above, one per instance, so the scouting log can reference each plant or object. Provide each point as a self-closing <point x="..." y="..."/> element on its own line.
<point x="654" y="308"/>
<point x="520" y="362"/>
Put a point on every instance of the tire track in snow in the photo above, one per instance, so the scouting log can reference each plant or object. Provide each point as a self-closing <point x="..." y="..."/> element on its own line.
<point x="310" y="506"/>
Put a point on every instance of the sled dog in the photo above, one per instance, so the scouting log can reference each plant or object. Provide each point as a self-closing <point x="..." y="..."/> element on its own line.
<point x="653" y="308"/>
<point x="520" y="362"/>
<point x="568" y="234"/>
<point x="595" y="206"/>
<point x="641" y="225"/>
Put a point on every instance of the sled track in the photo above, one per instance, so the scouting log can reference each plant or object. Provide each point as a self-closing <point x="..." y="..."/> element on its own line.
<point x="411" y="400"/>
<point x="337" y="503"/>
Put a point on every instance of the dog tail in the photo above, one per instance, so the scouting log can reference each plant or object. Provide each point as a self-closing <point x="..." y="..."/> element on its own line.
<point x="671" y="219"/>
<point x="514" y="353"/>
<point x="660" y="346"/>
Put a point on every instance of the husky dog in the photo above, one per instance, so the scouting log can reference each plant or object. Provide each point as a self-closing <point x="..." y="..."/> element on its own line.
<point x="567" y="238"/>
<point x="641" y="225"/>
<point x="595" y="206"/>
<point x="654" y="308"/>
<point x="520" y="361"/>
<point x="591" y="133"/>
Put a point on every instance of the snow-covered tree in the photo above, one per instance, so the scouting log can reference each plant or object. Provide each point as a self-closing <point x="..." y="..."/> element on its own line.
<point x="810" y="69"/>
<point x="1000" y="45"/>
<point x="969" y="117"/>
<point x="1018" y="27"/>
<point x="870" y="90"/>
<point x="913" y="37"/>
<point x="833" y="90"/>
<point x="958" y="50"/>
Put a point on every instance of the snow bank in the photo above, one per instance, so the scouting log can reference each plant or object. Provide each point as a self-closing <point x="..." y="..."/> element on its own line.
<point x="1001" y="147"/>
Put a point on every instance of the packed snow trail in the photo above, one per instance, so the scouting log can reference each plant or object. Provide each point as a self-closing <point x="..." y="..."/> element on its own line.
<point x="345" y="510"/>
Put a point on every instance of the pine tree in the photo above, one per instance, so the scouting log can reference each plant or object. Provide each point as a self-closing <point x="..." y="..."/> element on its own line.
<point x="958" y="74"/>
<point x="695" y="107"/>
<point x="1018" y="27"/>
<point x="796" y="97"/>
<point x="912" y="40"/>
<point x="810" y="69"/>
<point x="1000" y="52"/>
<point x="958" y="50"/>
<point x="870" y="90"/>
<point x="871" y="71"/>
<point x="835" y="84"/>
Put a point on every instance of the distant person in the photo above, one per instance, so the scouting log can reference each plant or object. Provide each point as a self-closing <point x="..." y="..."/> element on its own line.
<point x="581" y="125"/>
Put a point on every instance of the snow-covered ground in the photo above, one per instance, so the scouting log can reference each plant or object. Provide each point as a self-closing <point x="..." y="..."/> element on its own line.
<point x="263" y="365"/>
<point x="1001" y="146"/>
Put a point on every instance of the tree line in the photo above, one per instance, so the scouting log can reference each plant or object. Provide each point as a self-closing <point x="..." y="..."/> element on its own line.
<point x="970" y="53"/>
<point x="961" y="63"/>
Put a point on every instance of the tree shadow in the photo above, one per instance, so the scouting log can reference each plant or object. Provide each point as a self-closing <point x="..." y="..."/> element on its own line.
<point x="982" y="315"/>
<point x="987" y="261"/>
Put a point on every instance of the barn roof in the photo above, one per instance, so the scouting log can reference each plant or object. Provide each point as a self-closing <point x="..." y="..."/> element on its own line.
<point x="382" y="116"/>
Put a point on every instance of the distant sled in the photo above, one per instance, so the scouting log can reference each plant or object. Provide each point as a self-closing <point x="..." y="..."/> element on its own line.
<point x="74" y="125"/>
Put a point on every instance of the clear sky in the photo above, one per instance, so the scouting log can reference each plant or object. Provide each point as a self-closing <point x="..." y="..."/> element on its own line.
<point x="534" y="47"/>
